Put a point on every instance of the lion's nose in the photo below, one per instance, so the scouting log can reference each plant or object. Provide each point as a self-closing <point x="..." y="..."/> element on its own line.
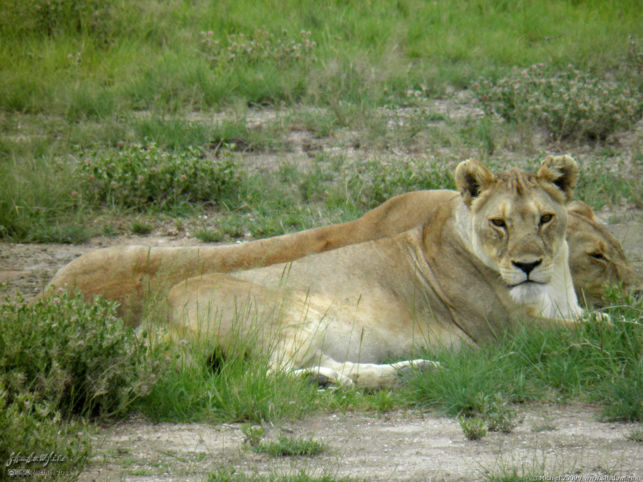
<point x="526" y="267"/>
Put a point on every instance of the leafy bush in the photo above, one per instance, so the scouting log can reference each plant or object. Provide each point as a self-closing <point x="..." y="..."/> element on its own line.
<point x="74" y="355"/>
<point x="145" y="176"/>
<point x="567" y="102"/>
<point x="61" y="357"/>
<point x="33" y="427"/>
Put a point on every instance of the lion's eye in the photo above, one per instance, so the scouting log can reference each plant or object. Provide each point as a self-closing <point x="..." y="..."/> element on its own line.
<point x="498" y="222"/>
<point x="545" y="218"/>
<point x="598" y="256"/>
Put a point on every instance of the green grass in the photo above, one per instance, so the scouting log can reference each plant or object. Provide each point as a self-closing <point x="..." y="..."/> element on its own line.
<point x="60" y="192"/>
<point x="97" y="58"/>
<point x="290" y="447"/>
<point x="595" y="362"/>
<point x="284" y="446"/>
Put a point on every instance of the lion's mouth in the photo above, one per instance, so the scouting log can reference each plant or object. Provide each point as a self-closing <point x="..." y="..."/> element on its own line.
<point x="525" y="282"/>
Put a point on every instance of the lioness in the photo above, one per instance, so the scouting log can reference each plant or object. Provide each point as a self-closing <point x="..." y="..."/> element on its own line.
<point x="123" y="273"/>
<point x="494" y="255"/>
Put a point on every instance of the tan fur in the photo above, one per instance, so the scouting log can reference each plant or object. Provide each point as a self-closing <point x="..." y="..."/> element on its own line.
<point x="494" y="256"/>
<point x="596" y="257"/>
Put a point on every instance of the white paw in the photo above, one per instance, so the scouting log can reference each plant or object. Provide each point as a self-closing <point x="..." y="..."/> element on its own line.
<point x="325" y="377"/>
<point x="408" y="366"/>
<point x="600" y="317"/>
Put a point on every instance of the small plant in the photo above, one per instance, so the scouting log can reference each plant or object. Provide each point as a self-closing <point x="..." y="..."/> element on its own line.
<point x="253" y="434"/>
<point x="141" y="227"/>
<point x="208" y="236"/>
<point x="635" y="435"/>
<point x="567" y="102"/>
<point x="544" y="426"/>
<point x="289" y="447"/>
<point x="473" y="427"/>
<point x="497" y="413"/>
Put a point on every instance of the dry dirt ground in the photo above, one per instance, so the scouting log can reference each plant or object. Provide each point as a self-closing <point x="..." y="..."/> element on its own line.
<point x="550" y="440"/>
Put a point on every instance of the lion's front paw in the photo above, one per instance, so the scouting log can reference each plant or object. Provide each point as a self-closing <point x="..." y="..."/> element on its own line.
<point x="325" y="377"/>
<point x="599" y="317"/>
<point x="404" y="368"/>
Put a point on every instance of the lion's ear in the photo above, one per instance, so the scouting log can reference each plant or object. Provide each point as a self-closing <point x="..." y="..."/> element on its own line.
<point x="471" y="177"/>
<point x="561" y="171"/>
<point x="582" y="209"/>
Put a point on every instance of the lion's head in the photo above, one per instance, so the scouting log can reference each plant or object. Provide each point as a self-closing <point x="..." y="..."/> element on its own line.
<point x="517" y="223"/>
<point x="596" y="258"/>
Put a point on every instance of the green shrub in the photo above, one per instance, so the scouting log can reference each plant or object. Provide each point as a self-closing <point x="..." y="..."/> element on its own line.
<point x="74" y="355"/>
<point x="567" y="102"/>
<point x="145" y="176"/>
<point x="497" y="413"/>
<point x="29" y="426"/>
<point x="61" y="357"/>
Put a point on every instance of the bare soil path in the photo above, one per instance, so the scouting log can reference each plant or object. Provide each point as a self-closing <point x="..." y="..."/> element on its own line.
<point x="550" y="440"/>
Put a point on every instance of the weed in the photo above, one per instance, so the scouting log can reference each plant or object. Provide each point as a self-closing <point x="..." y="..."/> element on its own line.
<point x="72" y="233"/>
<point x="567" y="102"/>
<point x="282" y="447"/>
<point x="472" y="427"/>
<point x="635" y="435"/>
<point x="39" y="201"/>
<point x="141" y="227"/>
<point x="289" y="447"/>
<point x="544" y="426"/>
<point x="208" y="236"/>
<point x="497" y="413"/>
<point x="253" y="434"/>
<point x="493" y="413"/>
<point x="172" y="134"/>
<point x="228" y="474"/>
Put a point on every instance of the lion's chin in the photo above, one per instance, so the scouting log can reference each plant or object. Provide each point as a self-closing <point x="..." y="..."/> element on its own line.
<point x="528" y="293"/>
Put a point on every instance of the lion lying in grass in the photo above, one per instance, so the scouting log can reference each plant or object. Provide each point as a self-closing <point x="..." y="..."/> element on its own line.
<point x="125" y="273"/>
<point x="493" y="253"/>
